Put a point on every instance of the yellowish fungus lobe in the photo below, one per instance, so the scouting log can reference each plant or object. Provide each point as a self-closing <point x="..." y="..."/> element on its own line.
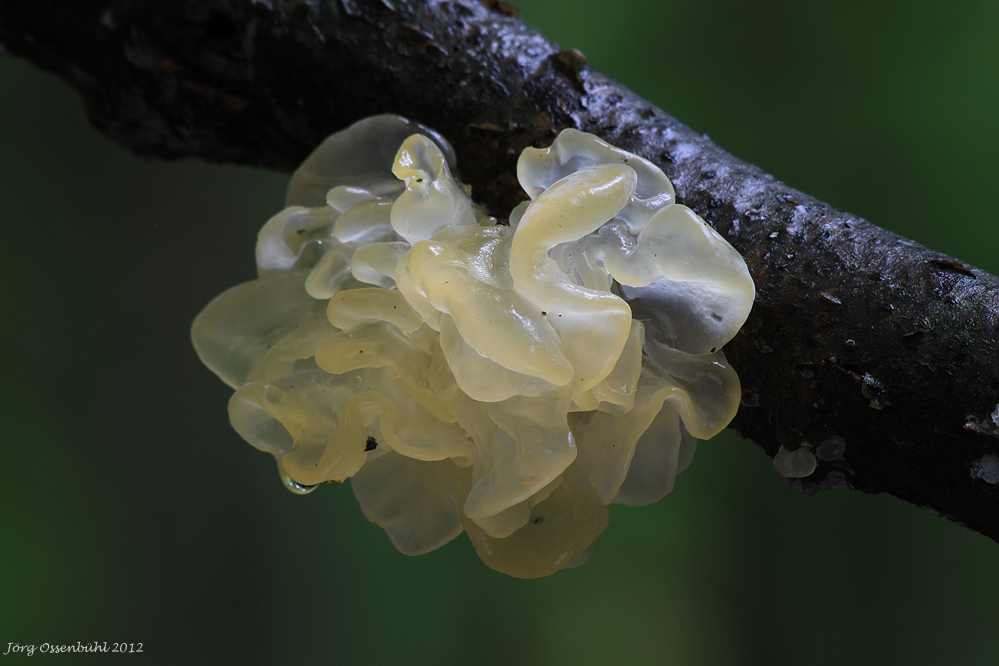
<point x="469" y="376"/>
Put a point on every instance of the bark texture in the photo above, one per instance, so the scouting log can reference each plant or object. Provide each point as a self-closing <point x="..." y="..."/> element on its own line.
<point x="855" y="332"/>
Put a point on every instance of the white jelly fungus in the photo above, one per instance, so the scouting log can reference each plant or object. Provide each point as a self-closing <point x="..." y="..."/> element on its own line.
<point x="795" y="464"/>
<point x="831" y="449"/>
<point x="470" y="376"/>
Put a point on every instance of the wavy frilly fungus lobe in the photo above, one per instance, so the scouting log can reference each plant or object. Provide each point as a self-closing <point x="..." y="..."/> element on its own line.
<point x="469" y="376"/>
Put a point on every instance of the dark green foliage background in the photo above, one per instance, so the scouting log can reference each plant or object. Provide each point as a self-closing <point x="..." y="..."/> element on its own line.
<point x="131" y="512"/>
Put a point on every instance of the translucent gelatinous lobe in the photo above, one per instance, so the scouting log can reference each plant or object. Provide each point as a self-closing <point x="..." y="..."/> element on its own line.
<point x="475" y="377"/>
<point x="832" y="448"/>
<point x="795" y="464"/>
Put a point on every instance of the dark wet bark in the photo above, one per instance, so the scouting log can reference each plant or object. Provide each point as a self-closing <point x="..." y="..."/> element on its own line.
<point x="855" y="331"/>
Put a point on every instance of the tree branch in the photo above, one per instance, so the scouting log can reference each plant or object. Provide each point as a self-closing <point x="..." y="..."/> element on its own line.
<point x="855" y="331"/>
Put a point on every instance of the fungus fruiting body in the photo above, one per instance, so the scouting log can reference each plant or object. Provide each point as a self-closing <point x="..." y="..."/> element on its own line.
<point x="795" y="464"/>
<point x="471" y="376"/>
<point x="832" y="448"/>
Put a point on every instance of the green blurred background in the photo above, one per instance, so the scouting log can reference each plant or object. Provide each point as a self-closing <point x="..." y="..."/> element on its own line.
<point x="131" y="512"/>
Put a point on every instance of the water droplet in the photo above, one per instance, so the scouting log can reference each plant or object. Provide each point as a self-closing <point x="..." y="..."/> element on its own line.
<point x="296" y="487"/>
